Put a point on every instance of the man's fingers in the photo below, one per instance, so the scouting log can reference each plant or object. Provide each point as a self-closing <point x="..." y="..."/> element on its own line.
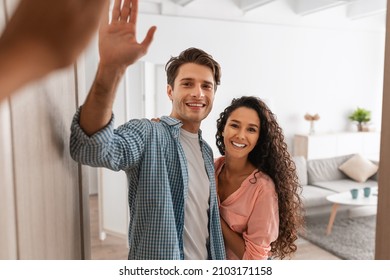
<point x="116" y="11"/>
<point x="106" y="13"/>
<point x="105" y="19"/>
<point x="125" y="12"/>
<point x="149" y="37"/>
<point x="134" y="11"/>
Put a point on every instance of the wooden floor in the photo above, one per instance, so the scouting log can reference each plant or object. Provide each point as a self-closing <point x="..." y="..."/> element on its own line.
<point x="115" y="248"/>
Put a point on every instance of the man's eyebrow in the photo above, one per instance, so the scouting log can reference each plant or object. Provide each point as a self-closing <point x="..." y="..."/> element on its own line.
<point x="192" y="79"/>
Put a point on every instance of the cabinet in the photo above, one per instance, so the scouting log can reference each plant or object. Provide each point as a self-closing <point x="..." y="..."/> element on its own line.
<point x="336" y="144"/>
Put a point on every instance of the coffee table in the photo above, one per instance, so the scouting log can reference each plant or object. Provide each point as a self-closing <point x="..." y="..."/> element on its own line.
<point x="345" y="198"/>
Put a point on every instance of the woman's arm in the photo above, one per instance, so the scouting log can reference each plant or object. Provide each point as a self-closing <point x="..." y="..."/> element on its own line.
<point x="263" y="224"/>
<point x="233" y="240"/>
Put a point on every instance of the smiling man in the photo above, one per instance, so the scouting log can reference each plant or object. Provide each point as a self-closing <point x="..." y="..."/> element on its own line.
<point x="172" y="194"/>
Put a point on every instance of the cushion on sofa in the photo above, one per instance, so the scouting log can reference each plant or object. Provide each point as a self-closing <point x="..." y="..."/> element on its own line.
<point x="345" y="185"/>
<point x="313" y="196"/>
<point x="358" y="168"/>
<point x="301" y="167"/>
<point x="320" y="170"/>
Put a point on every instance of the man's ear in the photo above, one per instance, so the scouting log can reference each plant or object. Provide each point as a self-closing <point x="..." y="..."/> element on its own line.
<point x="170" y="92"/>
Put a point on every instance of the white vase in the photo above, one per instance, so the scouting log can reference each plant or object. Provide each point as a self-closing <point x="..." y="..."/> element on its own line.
<point x="312" y="131"/>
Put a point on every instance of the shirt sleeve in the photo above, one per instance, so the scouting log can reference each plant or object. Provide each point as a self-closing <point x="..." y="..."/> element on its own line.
<point x="263" y="223"/>
<point x="116" y="149"/>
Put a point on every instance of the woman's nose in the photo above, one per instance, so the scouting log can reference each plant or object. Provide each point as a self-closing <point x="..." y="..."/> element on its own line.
<point x="241" y="134"/>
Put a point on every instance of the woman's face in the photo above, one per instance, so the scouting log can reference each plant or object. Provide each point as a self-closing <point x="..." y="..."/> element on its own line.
<point x="241" y="133"/>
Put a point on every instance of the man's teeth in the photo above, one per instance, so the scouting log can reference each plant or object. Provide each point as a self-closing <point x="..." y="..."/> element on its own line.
<point x="195" y="105"/>
<point x="238" y="145"/>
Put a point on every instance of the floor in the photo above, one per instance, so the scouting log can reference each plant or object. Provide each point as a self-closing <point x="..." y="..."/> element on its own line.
<point x="115" y="248"/>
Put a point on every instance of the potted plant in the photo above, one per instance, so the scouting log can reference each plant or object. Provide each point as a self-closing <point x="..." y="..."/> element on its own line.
<point x="311" y="119"/>
<point x="361" y="116"/>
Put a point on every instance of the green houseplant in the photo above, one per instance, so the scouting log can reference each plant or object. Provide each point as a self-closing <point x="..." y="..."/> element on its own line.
<point x="361" y="116"/>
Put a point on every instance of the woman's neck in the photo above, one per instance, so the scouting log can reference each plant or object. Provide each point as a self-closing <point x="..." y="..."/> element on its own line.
<point x="238" y="167"/>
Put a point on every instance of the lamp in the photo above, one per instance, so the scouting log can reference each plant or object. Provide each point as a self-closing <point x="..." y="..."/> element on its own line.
<point x="247" y="5"/>
<point x="182" y="2"/>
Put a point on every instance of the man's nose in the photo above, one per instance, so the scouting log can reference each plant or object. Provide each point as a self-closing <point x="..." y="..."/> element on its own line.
<point x="198" y="92"/>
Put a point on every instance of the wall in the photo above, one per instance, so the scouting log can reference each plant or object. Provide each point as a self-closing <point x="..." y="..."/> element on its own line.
<point x="382" y="245"/>
<point x="43" y="192"/>
<point x="7" y="209"/>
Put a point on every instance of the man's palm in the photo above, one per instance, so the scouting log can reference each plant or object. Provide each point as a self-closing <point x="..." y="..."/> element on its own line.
<point x="118" y="44"/>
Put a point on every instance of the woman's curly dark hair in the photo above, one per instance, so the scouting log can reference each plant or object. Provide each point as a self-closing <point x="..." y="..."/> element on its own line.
<point x="271" y="156"/>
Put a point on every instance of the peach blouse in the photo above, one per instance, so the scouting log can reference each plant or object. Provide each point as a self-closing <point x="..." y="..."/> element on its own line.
<point x="252" y="210"/>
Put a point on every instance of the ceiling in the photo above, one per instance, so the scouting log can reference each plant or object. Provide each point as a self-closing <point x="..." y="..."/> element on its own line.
<point x="356" y="12"/>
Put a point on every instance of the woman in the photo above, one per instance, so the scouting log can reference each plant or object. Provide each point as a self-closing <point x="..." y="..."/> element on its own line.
<point x="257" y="184"/>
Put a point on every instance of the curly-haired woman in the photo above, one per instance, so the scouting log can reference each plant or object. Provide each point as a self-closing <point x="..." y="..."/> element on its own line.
<point x="258" y="189"/>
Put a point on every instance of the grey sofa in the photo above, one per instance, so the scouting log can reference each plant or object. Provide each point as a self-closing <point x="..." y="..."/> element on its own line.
<point x="321" y="177"/>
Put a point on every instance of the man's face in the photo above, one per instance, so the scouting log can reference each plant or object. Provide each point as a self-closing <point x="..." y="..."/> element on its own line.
<point x="192" y="96"/>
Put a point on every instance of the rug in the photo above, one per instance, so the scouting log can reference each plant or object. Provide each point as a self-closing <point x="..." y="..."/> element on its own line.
<point x="351" y="238"/>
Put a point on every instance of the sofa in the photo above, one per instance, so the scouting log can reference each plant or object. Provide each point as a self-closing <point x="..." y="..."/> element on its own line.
<point x="322" y="177"/>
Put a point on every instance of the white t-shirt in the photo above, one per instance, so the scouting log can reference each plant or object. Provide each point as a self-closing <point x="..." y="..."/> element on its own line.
<point x="196" y="212"/>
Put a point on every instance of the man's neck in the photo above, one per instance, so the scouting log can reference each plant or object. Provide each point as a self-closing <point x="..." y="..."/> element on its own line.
<point x="192" y="127"/>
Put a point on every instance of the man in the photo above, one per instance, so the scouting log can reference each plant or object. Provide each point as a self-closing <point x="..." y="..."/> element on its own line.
<point x="42" y="36"/>
<point x="172" y="194"/>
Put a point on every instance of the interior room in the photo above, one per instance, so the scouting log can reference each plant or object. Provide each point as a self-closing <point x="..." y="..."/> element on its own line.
<point x="314" y="62"/>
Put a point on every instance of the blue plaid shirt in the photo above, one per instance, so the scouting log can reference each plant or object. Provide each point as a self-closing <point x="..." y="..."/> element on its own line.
<point x="151" y="155"/>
